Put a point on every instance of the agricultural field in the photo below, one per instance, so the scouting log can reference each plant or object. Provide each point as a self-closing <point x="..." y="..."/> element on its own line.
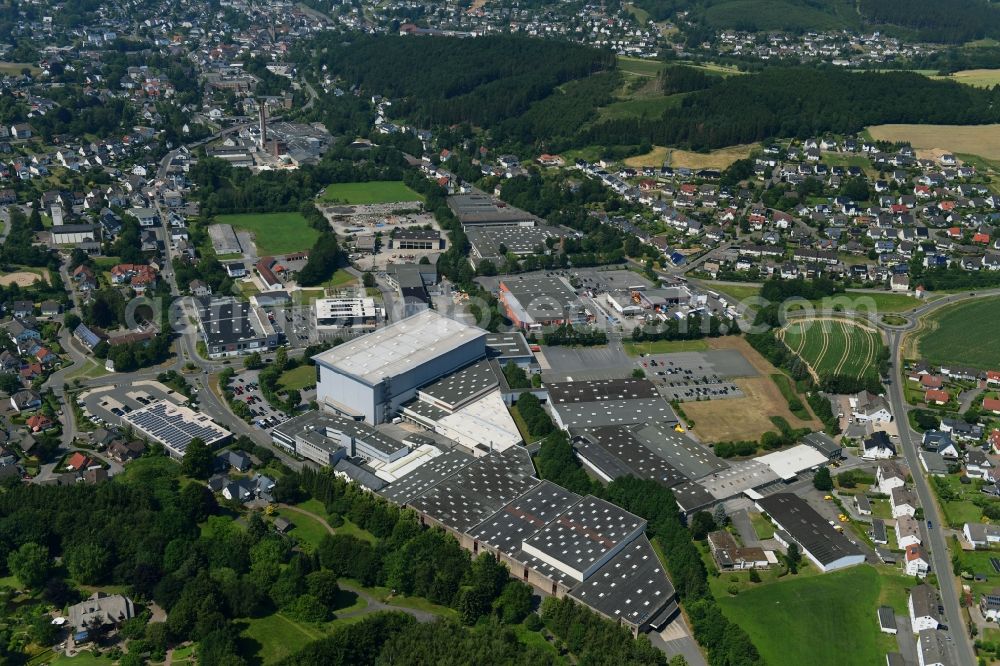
<point x="982" y="140"/>
<point x="834" y="346"/>
<point x="818" y="610"/>
<point x="963" y="334"/>
<point x="372" y="192"/>
<point x="274" y="233"/>
<point x="675" y="157"/>
<point x="978" y="78"/>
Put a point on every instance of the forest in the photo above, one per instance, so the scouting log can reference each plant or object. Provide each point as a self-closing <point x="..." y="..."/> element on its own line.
<point x="800" y="102"/>
<point x="488" y="82"/>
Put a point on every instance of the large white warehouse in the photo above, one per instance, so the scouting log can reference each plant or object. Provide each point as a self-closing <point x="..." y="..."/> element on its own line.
<point x="372" y="376"/>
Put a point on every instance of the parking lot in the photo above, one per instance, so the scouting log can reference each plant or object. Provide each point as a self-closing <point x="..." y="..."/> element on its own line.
<point x="246" y="389"/>
<point x="106" y="405"/>
<point x="696" y="375"/>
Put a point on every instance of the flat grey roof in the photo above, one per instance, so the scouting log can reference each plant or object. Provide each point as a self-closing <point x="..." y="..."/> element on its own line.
<point x="687" y="456"/>
<point x="504" y="346"/>
<point x="507" y="529"/>
<point x="426" y="476"/>
<point x="520" y="240"/>
<point x="601" y="390"/>
<point x="691" y="496"/>
<point x="632" y="586"/>
<point x="542" y="297"/>
<point x="609" y="402"/>
<point x="474" y="492"/>
<point x="399" y="347"/>
<point x="585" y="532"/>
<point x="807" y="527"/>
<point x="628" y="455"/>
<point x="460" y="386"/>
<point x="479" y="208"/>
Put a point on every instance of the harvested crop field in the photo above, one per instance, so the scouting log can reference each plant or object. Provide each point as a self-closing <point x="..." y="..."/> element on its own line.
<point x="747" y="417"/>
<point x="983" y="140"/>
<point x="964" y="334"/>
<point x="20" y="278"/>
<point x="675" y="157"/>
<point x="834" y="346"/>
<point x="979" y="78"/>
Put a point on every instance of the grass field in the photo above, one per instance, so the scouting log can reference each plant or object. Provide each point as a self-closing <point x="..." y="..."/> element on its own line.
<point x="649" y="107"/>
<point x="639" y="66"/>
<point x="788" y="392"/>
<point x="340" y="279"/>
<point x="834" y="346"/>
<point x="762" y="526"/>
<point x="298" y="378"/>
<point x="963" y="334"/>
<point x="372" y="192"/>
<point x="275" y="637"/>
<point x="15" y="68"/>
<point x="275" y="233"/>
<point x="306" y="529"/>
<point x="663" y="346"/>
<point x="983" y="140"/>
<point x="738" y="292"/>
<point x="816" y="611"/>
<point x="675" y="157"/>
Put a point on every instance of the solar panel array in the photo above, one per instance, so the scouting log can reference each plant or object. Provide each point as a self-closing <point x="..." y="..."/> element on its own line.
<point x="174" y="427"/>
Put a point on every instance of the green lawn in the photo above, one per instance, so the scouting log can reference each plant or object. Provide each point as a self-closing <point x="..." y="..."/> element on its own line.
<point x="313" y="505"/>
<point x="307" y="296"/>
<point x="978" y="562"/>
<point x="306" y="530"/>
<point x="762" y="526"/>
<point x="788" y="392"/>
<point x="90" y="369"/>
<point x="82" y="659"/>
<point x="884" y="302"/>
<point x="372" y="192"/>
<point x="340" y="279"/>
<point x="298" y="378"/>
<point x="350" y="528"/>
<point x="663" y="346"/>
<point x="275" y="637"/>
<point x="639" y="66"/>
<point x="788" y="620"/>
<point x="736" y="292"/>
<point x="963" y="334"/>
<point x="275" y="233"/>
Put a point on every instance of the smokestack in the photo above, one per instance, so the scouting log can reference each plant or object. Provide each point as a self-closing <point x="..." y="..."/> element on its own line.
<point x="263" y="126"/>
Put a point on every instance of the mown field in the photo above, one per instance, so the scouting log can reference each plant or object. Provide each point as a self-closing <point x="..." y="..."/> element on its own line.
<point x="675" y="157"/>
<point x="964" y="334"/>
<point x="983" y="140"/>
<point x="274" y="233"/>
<point x="817" y="613"/>
<point x="834" y="346"/>
<point x="979" y="78"/>
<point x="372" y="192"/>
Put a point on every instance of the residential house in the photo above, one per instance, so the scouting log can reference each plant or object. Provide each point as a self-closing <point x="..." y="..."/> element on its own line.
<point x="729" y="555"/>
<point x="978" y="465"/>
<point x="100" y="609"/>
<point x="25" y="400"/>
<point x="940" y="443"/>
<point x="989" y="605"/>
<point x="889" y="475"/>
<point x="916" y="561"/>
<point x="21" y="333"/>
<point x="124" y="452"/>
<point x="981" y="535"/>
<point x="237" y="460"/>
<point x="878" y="446"/>
<point x="907" y="531"/>
<point x="869" y="407"/>
<point x="21" y="309"/>
<point x="924" y="606"/>
<point x="903" y="502"/>
<point x="38" y="423"/>
<point x="937" y="397"/>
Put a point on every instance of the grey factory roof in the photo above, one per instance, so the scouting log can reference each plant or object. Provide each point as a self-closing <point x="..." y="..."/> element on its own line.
<point x="601" y="390"/>
<point x="822" y="443"/>
<point x="629" y="457"/>
<point x="415" y="233"/>
<point x="585" y="532"/>
<point x="608" y="402"/>
<point x="687" y="456"/>
<point x="504" y="346"/>
<point x="425" y="409"/>
<point x="474" y="492"/>
<point x="812" y="532"/>
<point x="631" y="586"/>
<point x="359" y="474"/>
<point x="426" y="476"/>
<point x="478" y="208"/>
<point x="543" y="298"/>
<point x="363" y="432"/>
<point x="228" y="321"/>
<point x="486" y="240"/>
<point x="692" y="496"/>
<point x="507" y="529"/>
<point x="399" y="347"/>
<point x="459" y="387"/>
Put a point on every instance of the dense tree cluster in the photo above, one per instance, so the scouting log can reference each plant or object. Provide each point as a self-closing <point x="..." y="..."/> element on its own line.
<point x="955" y="21"/>
<point x="535" y="417"/>
<point x="484" y="81"/>
<point x="801" y="102"/>
<point x="595" y="640"/>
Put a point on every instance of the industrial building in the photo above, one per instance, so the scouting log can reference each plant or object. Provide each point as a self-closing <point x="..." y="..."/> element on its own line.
<point x="415" y="283"/>
<point x="174" y="426"/>
<point x="224" y="240"/>
<point x="511" y="348"/>
<point x="347" y="313"/>
<point x="607" y="402"/>
<point x="416" y="239"/>
<point x="371" y="377"/>
<point x="480" y="209"/>
<point x="798" y="522"/>
<point x="534" y="302"/>
<point x="489" y="242"/>
<point x="328" y="438"/>
<point x="230" y="328"/>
